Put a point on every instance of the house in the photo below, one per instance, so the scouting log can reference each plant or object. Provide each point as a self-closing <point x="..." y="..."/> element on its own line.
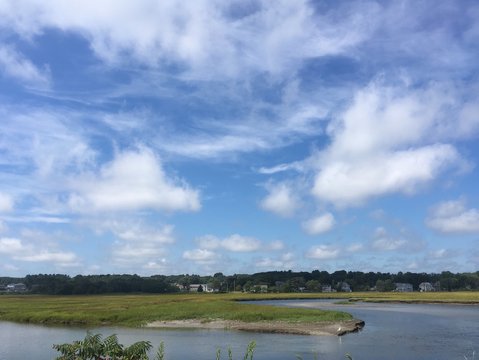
<point x="204" y="287"/>
<point x="426" y="287"/>
<point x="345" y="287"/>
<point x="262" y="288"/>
<point x="16" y="288"/>
<point x="326" y="288"/>
<point x="403" y="287"/>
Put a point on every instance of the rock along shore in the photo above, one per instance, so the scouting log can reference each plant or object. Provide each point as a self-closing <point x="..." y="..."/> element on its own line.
<point x="338" y="328"/>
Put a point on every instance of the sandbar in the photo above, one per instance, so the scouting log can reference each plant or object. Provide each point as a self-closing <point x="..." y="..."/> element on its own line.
<point x="323" y="328"/>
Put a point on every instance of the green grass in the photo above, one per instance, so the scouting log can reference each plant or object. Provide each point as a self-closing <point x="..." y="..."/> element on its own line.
<point x="137" y="310"/>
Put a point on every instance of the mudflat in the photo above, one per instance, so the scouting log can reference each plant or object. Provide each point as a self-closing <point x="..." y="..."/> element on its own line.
<point x="328" y="328"/>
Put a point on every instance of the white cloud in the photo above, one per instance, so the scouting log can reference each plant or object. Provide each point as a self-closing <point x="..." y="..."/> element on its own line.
<point x="140" y="233"/>
<point x="234" y="243"/>
<point x="160" y="265"/>
<point x="355" y="247"/>
<point x="384" y="242"/>
<point x="203" y="256"/>
<point x="319" y="224"/>
<point x="275" y="245"/>
<point x="62" y="258"/>
<point x="209" y="242"/>
<point x="387" y="141"/>
<point x="280" y="200"/>
<point x="6" y="203"/>
<point x="133" y="180"/>
<point x="285" y="124"/>
<point x="442" y="254"/>
<point x="15" y="65"/>
<point x="209" y="38"/>
<point x="238" y="243"/>
<point x="296" y="165"/>
<point x="19" y="250"/>
<point x="452" y="217"/>
<point x="11" y="246"/>
<point x="347" y="183"/>
<point x="284" y="262"/>
<point x="137" y="242"/>
<point x="48" y="140"/>
<point x="323" y="252"/>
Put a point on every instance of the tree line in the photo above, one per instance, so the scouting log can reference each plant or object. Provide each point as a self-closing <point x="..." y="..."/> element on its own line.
<point x="275" y="281"/>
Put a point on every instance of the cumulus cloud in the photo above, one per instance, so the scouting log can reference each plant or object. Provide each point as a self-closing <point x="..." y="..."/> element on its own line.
<point x="10" y="245"/>
<point x="387" y="141"/>
<point x="383" y="241"/>
<point x="281" y="200"/>
<point x="202" y="256"/>
<point x="6" y="203"/>
<point x="283" y="262"/>
<point x="453" y="217"/>
<point x="133" y="180"/>
<point x="234" y="243"/>
<point x="15" y="65"/>
<point x="323" y="252"/>
<point x="319" y="224"/>
<point x="19" y="250"/>
<point x="137" y="243"/>
<point x="355" y="247"/>
<point x="238" y="243"/>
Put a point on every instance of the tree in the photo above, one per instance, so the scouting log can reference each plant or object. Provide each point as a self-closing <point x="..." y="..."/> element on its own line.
<point x="313" y="285"/>
<point x="200" y="288"/>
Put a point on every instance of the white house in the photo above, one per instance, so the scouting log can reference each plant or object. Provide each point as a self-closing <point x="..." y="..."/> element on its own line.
<point x="426" y="287"/>
<point x="403" y="287"/>
<point x="16" y="288"/>
<point x="205" y="287"/>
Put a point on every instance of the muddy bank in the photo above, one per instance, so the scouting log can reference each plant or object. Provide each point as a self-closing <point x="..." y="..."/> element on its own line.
<point x="279" y="327"/>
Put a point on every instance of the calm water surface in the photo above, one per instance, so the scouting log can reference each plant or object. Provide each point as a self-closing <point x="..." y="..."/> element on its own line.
<point x="392" y="331"/>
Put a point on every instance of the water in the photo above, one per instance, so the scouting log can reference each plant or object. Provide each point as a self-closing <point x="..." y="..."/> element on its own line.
<point x="392" y="331"/>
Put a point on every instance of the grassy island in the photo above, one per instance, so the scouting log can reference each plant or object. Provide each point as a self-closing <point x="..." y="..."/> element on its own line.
<point x="138" y="310"/>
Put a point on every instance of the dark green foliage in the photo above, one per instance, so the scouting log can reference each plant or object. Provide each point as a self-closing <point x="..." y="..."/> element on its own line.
<point x="94" y="348"/>
<point x="97" y="284"/>
<point x="276" y="281"/>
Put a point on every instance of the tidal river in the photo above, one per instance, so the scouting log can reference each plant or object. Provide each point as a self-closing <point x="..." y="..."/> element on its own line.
<point x="392" y="331"/>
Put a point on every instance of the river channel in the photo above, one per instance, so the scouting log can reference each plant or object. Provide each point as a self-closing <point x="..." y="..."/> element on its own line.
<point x="392" y="331"/>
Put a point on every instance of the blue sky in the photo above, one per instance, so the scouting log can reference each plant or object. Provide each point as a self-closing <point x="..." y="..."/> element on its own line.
<point x="163" y="137"/>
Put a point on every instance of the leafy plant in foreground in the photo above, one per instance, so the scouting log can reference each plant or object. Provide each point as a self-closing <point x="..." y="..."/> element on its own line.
<point x="93" y="347"/>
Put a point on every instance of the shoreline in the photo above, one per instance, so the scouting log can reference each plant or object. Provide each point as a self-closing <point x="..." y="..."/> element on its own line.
<point x="336" y="328"/>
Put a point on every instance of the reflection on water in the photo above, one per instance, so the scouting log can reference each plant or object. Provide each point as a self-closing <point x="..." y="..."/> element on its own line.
<point x="392" y="331"/>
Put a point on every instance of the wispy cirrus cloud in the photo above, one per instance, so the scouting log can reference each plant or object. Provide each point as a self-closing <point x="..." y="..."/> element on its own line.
<point x="211" y="38"/>
<point x="15" y="65"/>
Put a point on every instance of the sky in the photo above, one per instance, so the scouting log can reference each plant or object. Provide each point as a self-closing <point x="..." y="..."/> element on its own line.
<point x="167" y="137"/>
